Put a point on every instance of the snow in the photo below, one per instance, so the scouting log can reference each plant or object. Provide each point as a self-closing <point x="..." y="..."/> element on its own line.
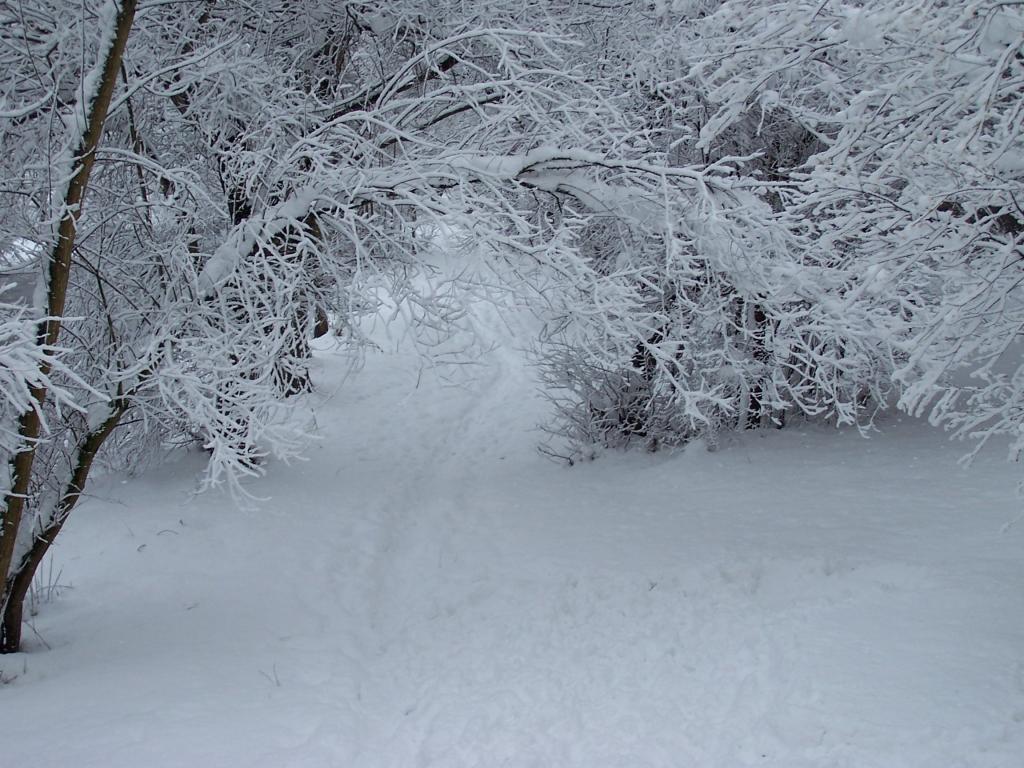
<point x="861" y="31"/>
<point x="242" y="239"/>
<point x="428" y="590"/>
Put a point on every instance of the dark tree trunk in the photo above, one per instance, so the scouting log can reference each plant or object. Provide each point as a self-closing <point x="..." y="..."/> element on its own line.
<point x="756" y="329"/>
<point x="11" y="622"/>
<point x="322" y="325"/>
<point x="21" y="579"/>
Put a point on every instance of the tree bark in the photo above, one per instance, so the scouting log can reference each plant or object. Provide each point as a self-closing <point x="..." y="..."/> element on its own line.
<point x="21" y="579"/>
<point x="29" y="425"/>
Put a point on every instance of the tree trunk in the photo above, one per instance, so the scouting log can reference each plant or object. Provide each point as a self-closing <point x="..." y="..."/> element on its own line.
<point x="21" y="579"/>
<point x="29" y="424"/>
<point x="755" y="323"/>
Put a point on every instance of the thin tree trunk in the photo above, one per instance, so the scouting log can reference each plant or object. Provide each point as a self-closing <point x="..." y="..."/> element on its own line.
<point x="755" y="322"/>
<point x="29" y="424"/>
<point x="21" y="579"/>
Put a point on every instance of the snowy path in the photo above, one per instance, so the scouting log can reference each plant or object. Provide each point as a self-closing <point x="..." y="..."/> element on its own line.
<point x="427" y="590"/>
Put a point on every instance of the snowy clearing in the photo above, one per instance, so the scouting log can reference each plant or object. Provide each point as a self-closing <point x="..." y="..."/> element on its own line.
<point x="427" y="590"/>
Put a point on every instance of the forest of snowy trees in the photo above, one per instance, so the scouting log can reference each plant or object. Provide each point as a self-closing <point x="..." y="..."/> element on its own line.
<point x="728" y="214"/>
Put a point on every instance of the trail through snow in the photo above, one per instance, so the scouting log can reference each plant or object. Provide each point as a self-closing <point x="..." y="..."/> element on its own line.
<point x="428" y="591"/>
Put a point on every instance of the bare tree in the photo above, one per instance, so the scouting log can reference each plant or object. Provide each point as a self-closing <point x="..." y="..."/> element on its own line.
<point x="85" y="124"/>
<point x="252" y="169"/>
<point x="916" y="191"/>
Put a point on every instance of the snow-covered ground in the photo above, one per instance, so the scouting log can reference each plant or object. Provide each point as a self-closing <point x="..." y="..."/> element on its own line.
<point x="428" y="590"/>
